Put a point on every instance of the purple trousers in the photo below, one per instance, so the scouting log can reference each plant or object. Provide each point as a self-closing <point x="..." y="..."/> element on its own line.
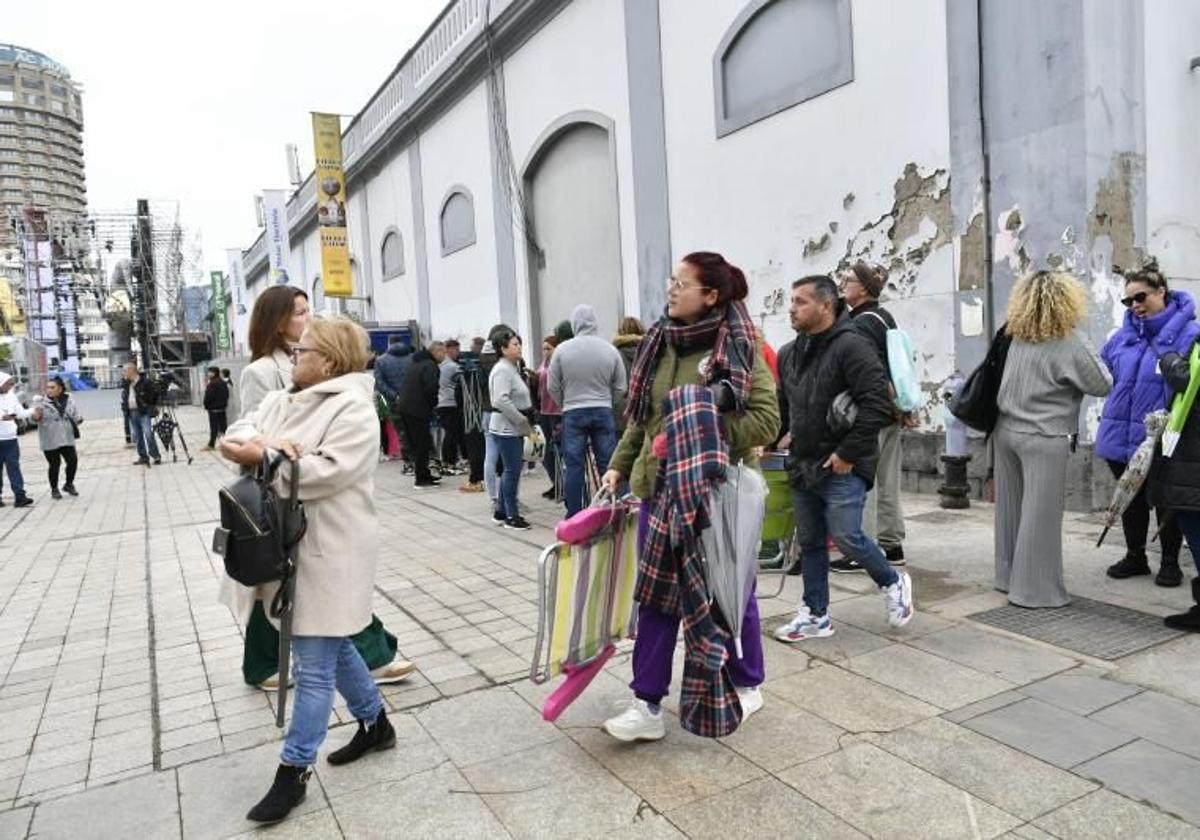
<point x="654" y="647"/>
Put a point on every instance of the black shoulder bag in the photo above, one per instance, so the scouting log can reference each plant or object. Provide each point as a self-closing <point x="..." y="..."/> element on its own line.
<point x="975" y="404"/>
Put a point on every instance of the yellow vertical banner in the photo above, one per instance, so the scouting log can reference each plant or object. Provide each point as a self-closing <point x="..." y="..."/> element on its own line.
<point x="331" y="206"/>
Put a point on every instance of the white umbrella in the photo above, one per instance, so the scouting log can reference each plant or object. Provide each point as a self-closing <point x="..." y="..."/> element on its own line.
<point x="730" y="544"/>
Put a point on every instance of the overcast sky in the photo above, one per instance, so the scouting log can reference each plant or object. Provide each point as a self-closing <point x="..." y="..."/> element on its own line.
<point x="196" y="101"/>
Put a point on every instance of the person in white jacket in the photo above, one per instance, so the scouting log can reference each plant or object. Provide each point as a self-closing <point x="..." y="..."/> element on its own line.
<point x="326" y="426"/>
<point x="11" y="410"/>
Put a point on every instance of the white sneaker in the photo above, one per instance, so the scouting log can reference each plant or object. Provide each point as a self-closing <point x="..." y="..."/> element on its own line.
<point x="637" y="723"/>
<point x="805" y="626"/>
<point x="395" y="671"/>
<point x="751" y="700"/>
<point x="899" y="599"/>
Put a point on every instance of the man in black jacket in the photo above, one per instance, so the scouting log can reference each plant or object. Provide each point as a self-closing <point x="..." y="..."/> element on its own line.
<point x="139" y="395"/>
<point x="216" y="401"/>
<point x="834" y="402"/>
<point x="883" y="518"/>
<point x="418" y="402"/>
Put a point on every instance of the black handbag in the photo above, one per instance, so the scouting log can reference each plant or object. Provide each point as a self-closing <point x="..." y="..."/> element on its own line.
<point x="259" y="529"/>
<point x="975" y="403"/>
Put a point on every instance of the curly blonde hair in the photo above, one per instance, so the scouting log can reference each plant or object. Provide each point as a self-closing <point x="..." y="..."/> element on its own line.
<point x="1046" y="306"/>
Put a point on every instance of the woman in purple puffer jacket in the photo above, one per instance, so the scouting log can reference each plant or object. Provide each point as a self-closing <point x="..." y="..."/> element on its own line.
<point x="1159" y="321"/>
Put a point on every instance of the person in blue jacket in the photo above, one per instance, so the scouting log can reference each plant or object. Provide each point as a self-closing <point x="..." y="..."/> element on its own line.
<point x="1158" y="321"/>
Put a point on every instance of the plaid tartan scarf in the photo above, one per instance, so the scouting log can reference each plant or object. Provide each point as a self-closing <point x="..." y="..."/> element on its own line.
<point x="670" y="568"/>
<point x="728" y="330"/>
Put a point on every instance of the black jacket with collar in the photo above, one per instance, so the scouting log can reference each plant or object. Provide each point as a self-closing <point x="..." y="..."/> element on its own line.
<point x="813" y="370"/>
<point x="145" y="392"/>
<point x="419" y="393"/>
<point x="875" y="327"/>
<point x="216" y="395"/>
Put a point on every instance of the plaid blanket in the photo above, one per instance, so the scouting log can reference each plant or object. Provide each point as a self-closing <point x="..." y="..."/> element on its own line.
<point x="670" y="569"/>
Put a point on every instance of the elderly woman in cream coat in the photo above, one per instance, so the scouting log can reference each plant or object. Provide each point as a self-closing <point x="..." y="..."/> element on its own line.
<point x="326" y="425"/>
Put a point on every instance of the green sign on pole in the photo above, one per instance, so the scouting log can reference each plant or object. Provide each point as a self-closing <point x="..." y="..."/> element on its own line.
<point x="219" y="304"/>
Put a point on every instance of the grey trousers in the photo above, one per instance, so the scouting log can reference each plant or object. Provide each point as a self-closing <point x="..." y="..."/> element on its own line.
<point x="1031" y="473"/>
<point x="883" y="518"/>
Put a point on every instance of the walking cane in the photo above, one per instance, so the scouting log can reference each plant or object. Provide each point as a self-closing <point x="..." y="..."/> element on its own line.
<point x="284" y="605"/>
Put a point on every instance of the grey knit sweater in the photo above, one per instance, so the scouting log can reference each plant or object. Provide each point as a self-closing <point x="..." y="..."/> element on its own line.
<point x="1045" y="383"/>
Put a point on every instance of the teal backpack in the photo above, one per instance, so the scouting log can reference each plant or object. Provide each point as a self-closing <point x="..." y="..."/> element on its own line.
<point x="902" y="368"/>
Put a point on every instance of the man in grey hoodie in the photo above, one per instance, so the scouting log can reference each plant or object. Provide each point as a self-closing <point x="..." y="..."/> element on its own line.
<point x="586" y="377"/>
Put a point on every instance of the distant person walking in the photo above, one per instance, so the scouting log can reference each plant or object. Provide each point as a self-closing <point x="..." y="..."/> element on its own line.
<point x="140" y="396"/>
<point x="216" y="401"/>
<point x="58" y="422"/>
<point x="11" y="410"/>
<point x="509" y="425"/>
<point x="1050" y="369"/>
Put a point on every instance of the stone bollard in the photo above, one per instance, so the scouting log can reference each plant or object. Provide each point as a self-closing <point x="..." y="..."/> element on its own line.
<point x="955" y="491"/>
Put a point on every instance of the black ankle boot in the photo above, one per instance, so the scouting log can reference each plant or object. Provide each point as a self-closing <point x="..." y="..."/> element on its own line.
<point x="377" y="737"/>
<point x="287" y="791"/>
<point x="1169" y="573"/>
<point x="1190" y="620"/>
<point x="1131" y="565"/>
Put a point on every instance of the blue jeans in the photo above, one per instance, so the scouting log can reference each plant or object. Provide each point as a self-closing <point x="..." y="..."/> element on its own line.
<point x="511" y="451"/>
<point x="10" y="460"/>
<point x="1189" y="523"/>
<point x="141" y="427"/>
<point x="490" y="456"/>
<point x="583" y="427"/>
<point x="834" y="507"/>
<point x="321" y="663"/>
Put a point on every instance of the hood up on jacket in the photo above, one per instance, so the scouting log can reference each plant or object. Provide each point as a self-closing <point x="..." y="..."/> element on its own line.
<point x="583" y="320"/>
<point x="399" y="350"/>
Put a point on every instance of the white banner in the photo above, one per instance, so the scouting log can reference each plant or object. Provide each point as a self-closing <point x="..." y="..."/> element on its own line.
<point x="240" y="307"/>
<point x="278" y="248"/>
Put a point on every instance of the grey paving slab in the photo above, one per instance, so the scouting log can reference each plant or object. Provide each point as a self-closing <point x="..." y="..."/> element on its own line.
<point x="761" y="808"/>
<point x="433" y="805"/>
<point x="991" y="653"/>
<point x="14" y="825"/>
<point x="850" y="701"/>
<point x="680" y="768"/>
<point x="1051" y="734"/>
<point x="415" y="752"/>
<point x="869" y="612"/>
<point x="988" y="704"/>
<point x="559" y="779"/>
<point x="485" y="725"/>
<point x="318" y="825"/>
<point x="901" y="796"/>
<point x="1148" y="772"/>
<point x="1005" y="777"/>
<point x="1156" y="717"/>
<point x="1173" y="668"/>
<point x="846" y="641"/>
<point x="781" y="734"/>
<point x="602" y="699"/>
<point x="1105" y="814"/>
<point x="147" y="806"/>
<point x="214" y="795"/>
<point x="916" y="673"/>
<point x="1080" y="691"/>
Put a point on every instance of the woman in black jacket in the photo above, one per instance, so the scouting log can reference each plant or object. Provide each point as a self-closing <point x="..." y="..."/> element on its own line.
<point x="1174" y="483"/>
<point x="216" y="401"/>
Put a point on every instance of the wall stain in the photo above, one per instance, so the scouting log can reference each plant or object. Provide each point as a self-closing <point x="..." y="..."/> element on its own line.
<point x="817" y="245"/>
<point x="1112" y="215"/>
<point x="972" y="255"/>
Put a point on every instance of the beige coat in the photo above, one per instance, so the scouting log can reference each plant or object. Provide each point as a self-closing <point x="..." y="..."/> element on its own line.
<point x="335" y="422"/>
<point x="261" y="377"/>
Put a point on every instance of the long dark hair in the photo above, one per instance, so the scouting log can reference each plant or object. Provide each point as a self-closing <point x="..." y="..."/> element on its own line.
<point x="717" y="274"/>
<point x="272" y="310"/>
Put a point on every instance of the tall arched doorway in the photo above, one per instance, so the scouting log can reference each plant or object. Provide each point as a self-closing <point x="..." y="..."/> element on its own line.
<point x="571" y="185"/>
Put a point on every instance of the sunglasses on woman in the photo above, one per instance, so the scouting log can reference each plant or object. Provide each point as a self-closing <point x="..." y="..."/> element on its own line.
<point x="1139" y="298"/>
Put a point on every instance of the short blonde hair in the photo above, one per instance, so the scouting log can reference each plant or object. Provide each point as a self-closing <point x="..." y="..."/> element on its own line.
<point x="1046" y="306"/>
<point x="341" y="341"/>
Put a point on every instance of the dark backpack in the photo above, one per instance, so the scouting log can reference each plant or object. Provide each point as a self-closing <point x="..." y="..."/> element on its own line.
<point x="975" y="403"/>
<point x="259" y="530"/>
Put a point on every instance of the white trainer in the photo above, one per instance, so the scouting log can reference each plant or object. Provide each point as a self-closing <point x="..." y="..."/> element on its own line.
<point x="899" y="599"/>
<point x="805" y="626"/>
<point x="637" y="723"/>
<point x="751" y="700"/>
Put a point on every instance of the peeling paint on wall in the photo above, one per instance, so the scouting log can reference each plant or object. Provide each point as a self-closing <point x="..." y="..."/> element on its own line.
<point x="972" y="256"/>
<point x="1112" y="214"/>
<point x="817" y="245"/>
<point x="1008" y="245"/>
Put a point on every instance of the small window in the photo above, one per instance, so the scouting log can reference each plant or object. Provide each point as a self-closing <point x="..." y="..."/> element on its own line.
<point x="457" y="221"/>
<point x="318" y="294"/>
<point x="31" y="84"/>
<point x="779" y="53"/>
<point x="391" y="254"/>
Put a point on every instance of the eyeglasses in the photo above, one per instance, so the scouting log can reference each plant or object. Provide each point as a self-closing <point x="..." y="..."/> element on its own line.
<point x="1139" y="298"/>
<point x="296" y="352"/>
<point x="675" y="285"/>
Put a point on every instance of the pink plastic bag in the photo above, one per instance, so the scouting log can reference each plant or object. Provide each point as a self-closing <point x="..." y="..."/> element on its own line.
<point x="585" y="525"/>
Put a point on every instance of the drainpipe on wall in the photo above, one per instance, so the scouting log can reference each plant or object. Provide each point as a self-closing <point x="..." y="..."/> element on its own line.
<point x="989" y="307"/>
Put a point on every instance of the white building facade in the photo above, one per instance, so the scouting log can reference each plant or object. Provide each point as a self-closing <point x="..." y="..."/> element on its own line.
<point x="528" y="155"/>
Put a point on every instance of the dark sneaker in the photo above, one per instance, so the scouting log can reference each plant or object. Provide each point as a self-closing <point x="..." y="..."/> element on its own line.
<point x="54" y="494"/>
<point x="499" y="518"/>
<point x="1133" y="564"/>
<point x="517" y="523"/>
<point x="70" y="490"/>
<point x="377" y="737"/>
<point x="425" y="485"/>
<point x="158" y="462"/>
<point x="142" y="462"/>
<point x="895" y="556"/>
<point x="287" y="791"/>
<point x="23" y="501"/>
<point x="1169" y="573"/>
<point x="1188" y="622"/>
<point x="845" y="566"/>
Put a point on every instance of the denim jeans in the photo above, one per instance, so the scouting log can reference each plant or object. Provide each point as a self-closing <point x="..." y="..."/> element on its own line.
<point x="141" y="427"/>
<point x="582" y="427"/>
<point x="834" y="508"/>
<point x="321" y="664"/>
<point x="1189" y="523"/>
<point x="551" y="430"/>
<point x="511" y="451"/>
<point x="10" y="460"/>
<point x="491" y="456"/>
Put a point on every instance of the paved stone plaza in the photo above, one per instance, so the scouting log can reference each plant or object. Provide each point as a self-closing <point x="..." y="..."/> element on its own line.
<point x="124" y="713"/>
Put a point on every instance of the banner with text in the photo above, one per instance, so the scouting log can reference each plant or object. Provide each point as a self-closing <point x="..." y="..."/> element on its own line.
<point x="237" y="285"/>
<point x="220" y="302"/>
<point x="331" y="206"/>
<point x="278" y="248"/>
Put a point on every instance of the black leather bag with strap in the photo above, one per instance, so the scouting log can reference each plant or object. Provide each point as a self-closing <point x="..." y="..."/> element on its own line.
<point x="975" y="403"/>
<point x="259" y="530"/>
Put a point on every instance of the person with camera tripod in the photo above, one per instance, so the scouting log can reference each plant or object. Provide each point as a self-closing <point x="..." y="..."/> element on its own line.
<point x="140" y="395"/>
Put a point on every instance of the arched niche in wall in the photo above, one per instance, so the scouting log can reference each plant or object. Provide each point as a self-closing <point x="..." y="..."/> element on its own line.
<point x="779" y="53"/>
<point x="391" y="254"/>
<point x="457" y="220"/>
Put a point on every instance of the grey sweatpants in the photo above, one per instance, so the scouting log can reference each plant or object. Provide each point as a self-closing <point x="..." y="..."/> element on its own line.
<point x="1031" y="473"/>
<point x="883" y="518"/>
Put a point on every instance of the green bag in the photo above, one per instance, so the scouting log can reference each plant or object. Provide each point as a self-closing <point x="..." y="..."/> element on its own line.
<point x="1181" y="405"/>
